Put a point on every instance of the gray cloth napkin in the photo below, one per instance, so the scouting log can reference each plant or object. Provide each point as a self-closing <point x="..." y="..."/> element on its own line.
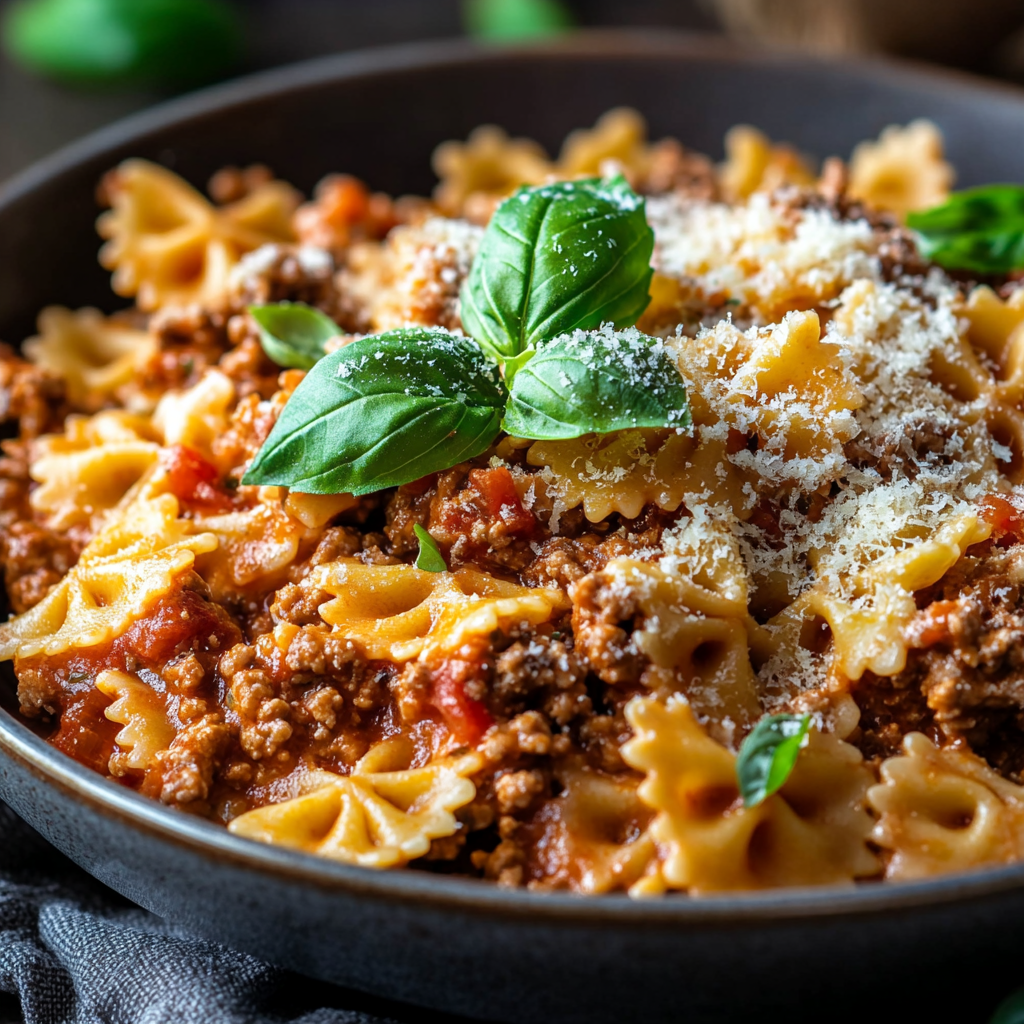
<point x="73" y="952"/>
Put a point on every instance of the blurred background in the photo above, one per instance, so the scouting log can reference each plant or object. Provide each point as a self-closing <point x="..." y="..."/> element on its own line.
<point x="69" y="66"/>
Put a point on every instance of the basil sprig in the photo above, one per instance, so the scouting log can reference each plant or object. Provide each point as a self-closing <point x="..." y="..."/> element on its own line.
<point x="383" y="411"/>
<point x="596" y="382"/>
<point x="294" y="334"/>
<point x="556" y="263"/>
<point x="979" y="229"/>
<point x="768" y="755"/>
<point x="429" y="557"/>
<point x="558" y="258"/>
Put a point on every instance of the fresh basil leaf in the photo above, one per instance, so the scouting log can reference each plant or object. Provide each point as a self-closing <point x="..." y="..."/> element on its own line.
<point x="596" y="382"/>
<point x="979" y="229"/>
<point x="294" y="334"/>
<point x="382" y="411"/>
<point x="768" y="755"/>
<point x="557" y="258"/>
<point x="429" y="557"/>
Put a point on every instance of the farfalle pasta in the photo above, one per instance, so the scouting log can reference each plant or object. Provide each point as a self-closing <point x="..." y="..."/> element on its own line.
<point x="140" y="710"/>
<point x="728" y="604"/>
<point x="373" y="819"/>
<point x="754" y="164"/>
<point x="140" y="555"/>
<point x="166" y="243"/>
<point x="397" y="612"/>
<point x="98" y="357"/>
<point x="85" y="471"/>
<point x="904" y="170"/>
<point x="814" y="831"/>
<point x="944" y="810"/>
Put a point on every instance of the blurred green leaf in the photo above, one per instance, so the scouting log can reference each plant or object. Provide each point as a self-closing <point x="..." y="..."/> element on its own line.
<point x="1010" y="1010"/>
<point x="115" y="41"/>
<point x="503" y="20"/>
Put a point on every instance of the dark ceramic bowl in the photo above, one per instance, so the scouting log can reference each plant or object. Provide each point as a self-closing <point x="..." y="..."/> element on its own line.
<point x="446" y="942"/>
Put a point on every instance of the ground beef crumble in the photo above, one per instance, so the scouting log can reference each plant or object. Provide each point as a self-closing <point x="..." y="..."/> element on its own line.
<point x="964" y="680"/>
<point x="257" y="688"/>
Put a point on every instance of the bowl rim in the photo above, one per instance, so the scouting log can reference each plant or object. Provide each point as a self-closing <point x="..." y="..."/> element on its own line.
<point x="31" y="753"/>
<point x="371" y="62"/>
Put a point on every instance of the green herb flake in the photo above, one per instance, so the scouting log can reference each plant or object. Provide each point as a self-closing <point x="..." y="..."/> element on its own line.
<point x="768" y="755"/>
<point x="979" y="229"/>
<point x="294" y="334"/>
<point x="557" y="258"/>
<point x="596" y="382"/>
<point x="384" y="411"/>
<point x="429" y="557"/>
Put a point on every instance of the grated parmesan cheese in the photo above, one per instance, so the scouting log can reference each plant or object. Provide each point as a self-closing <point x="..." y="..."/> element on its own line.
<point x="833" y="401"/>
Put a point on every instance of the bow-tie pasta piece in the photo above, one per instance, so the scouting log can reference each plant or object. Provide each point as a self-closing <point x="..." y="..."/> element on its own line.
<point x="869" y="622"/>
<point x="616" y="143"/>
<point x="755" y="164"/>
<point x="169" y="245"/>
<point x="140" y="709"/>
<point x="375" y="820"/>
<point x="783" y="385"/>
<point x="484" y="169"/>
<point x="593" y="836"/>
<point x="398" y="613"/>
<point x="996" y="329"/>
<point x="254" y="545"/>
<point x="814" y="831"/>
<point x="904" y="170"/>
<point x="624" y="471"/>
<point x="96" y="356"/>
<point x="987" y="368"/>
<point x="695" y="634"/>
<point x="945" y="810"/>
<point x="87" y="470"/>
<point x="142" y="553"/>
<point x="197" y="416"/>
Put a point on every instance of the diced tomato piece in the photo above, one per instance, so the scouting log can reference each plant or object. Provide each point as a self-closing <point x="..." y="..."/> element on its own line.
<point x="1006" y="519"/>
<point x="346" y="200"/>
<point x="932" y="626"/>
<point x="174" y="624"/>
<point x="467" y="718"/>
<point x="194" y="480"/>
<point x="84" y="732"/>
<point x="500" y="499"/>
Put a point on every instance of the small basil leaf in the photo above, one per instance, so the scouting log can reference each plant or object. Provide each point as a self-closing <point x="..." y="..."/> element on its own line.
<point x="383" y="411"/>
<point x="980" y="229"/>
<point x="294" y="334"/>
<point x="768" y="755"/>
<point x="429" y="557"/>
<point x="557" y="258"/>
<point x="596" y="382"/>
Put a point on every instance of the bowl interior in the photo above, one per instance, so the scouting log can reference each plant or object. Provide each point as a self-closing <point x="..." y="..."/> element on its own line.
<point x="380" y="115"/>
